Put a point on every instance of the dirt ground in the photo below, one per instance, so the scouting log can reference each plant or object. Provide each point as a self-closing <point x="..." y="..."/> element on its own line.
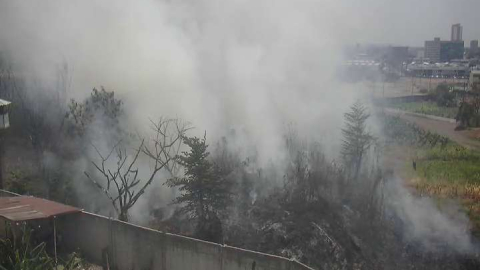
<point x="473" y="133"/>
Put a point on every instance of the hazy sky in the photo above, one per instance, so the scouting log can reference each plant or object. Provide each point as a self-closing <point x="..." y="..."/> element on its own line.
<point x="411" y="22"/>
<point x="255" y="67"/>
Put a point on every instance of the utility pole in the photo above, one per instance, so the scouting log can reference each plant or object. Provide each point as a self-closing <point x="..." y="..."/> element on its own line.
<point x="430" y="82"/>
<point x="4" y="124"/>
<point x="412" y="84"/>
<point x="383" y="87"/>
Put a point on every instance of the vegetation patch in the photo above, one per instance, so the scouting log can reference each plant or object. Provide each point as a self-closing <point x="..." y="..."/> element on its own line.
<point x="25" y="254"/>
<point x="452" y="172"/>
<point x="452" y="164"/>
<point x="428" y="108"/>
<point x="438" y="167"/>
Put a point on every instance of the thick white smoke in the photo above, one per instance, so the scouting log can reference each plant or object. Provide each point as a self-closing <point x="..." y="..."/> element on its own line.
<point x="219" y="64"/>
<point x="425" y="223"/>
<point x="252" y="66"/>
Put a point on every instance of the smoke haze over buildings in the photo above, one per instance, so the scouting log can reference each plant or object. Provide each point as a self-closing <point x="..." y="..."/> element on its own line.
<point x="243" y="65"/>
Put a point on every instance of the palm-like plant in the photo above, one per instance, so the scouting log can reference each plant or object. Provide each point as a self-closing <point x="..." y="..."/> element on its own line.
<point x="22" y="255"/>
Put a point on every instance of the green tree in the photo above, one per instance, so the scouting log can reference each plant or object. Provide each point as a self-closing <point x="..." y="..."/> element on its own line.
<point x="205" y="192"/>
<point x="444" y="97"/>
<point x="465" y="113"/>
<point x="356" y="138"/>
<point x="100" y="106"/>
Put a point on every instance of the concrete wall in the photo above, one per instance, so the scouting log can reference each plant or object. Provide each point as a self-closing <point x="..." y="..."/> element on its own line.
<point x="130" y="247"/>
<point x="4" y="193"/>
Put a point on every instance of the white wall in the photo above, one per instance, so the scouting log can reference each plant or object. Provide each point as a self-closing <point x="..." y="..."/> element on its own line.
<point x="132" y="247"/>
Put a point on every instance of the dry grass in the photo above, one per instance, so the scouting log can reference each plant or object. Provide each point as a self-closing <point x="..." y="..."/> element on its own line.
<point x="467" y="194"/>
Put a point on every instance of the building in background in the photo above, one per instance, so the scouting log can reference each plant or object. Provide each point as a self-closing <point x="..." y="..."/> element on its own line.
<point x="450" y="50"/>
<point x="396" y="56"/>
<point x="474" y="81"/>
<point x="439" y="70"/>
<point x="437" y="50"/>
<point x="443" y="51"/>
<point x="474" y="46"/>
<point x="432" y="50"/>
<point x="473" y="51"/>
<point x="457" y="32"/>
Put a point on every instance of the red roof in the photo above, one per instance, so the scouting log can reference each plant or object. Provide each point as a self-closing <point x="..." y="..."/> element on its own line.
<point x="28" y="208"/>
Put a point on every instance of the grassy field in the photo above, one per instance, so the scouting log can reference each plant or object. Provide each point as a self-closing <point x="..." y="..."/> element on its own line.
<point x="452" y="172"/>
<point x="445" y="171"/>
<point x="427" y="107"/>
<point x="453" y="164"/>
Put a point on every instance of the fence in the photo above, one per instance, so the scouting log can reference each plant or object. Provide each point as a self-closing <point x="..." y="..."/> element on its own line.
<point x="124" y="246"/>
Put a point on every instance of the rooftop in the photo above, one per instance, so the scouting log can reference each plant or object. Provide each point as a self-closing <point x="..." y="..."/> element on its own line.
<point x="25" y="208"/>
<point x="4" y="102"/>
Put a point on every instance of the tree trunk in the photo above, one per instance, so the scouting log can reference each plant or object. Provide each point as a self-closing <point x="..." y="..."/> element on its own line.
<point x="123" y="216"/>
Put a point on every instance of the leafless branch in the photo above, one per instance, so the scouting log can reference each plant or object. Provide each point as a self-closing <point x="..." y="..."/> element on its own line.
<point x="123" y="185"/>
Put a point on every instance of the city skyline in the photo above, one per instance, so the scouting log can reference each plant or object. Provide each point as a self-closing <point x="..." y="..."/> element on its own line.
<point x="410" y="22"/>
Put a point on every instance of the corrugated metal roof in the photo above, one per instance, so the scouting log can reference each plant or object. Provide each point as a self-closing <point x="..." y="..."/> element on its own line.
<point x="4" y="102"/>
<point x="25" y="208"/>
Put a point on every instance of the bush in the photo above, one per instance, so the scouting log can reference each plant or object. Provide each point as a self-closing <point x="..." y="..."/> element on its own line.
<point x="443" y="96"/>
<point x="446" y="100"/>
<point x="23" y="256"/>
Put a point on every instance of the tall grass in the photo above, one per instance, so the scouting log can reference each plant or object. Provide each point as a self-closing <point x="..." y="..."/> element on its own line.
<point x="452" y="172"/>
<point x="427" y="107"/>
<point x="23" y="255"/>
<point x="452" y="164"/>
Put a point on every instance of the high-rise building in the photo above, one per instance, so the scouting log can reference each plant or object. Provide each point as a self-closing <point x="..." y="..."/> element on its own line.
<point x="474" y="46"/>
<point x="432" y="50"/>
<point x="457" y="30"/>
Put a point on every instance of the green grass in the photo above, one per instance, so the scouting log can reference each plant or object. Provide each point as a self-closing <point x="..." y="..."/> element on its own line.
<point x="453" y="173"/>
<point x="452" y="164"/>
<point x="427" y="107"/>
<point x="444" y="172"/>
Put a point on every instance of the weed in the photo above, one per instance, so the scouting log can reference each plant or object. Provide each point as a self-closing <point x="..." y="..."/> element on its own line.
<point x="427" y="107"/>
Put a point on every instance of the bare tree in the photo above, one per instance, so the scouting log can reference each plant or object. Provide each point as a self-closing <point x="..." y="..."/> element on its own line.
<point x="122" y="184"/>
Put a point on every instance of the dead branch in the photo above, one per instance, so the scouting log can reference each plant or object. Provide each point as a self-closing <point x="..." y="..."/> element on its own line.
<point x="123" y="187"/>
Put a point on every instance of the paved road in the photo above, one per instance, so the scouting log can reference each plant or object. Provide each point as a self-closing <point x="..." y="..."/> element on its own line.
<point x="439" y="125"/>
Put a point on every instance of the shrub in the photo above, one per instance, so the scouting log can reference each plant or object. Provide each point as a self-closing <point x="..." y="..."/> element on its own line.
<point x="443" y="96"/>
<point x="22" y="255"/>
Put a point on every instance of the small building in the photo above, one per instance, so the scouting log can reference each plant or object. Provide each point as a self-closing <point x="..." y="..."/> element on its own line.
<point x="4" y="110"/>
<point x="34" y="214"/>
<point x="474" y="81"/>
<point x="439" y="70"/>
